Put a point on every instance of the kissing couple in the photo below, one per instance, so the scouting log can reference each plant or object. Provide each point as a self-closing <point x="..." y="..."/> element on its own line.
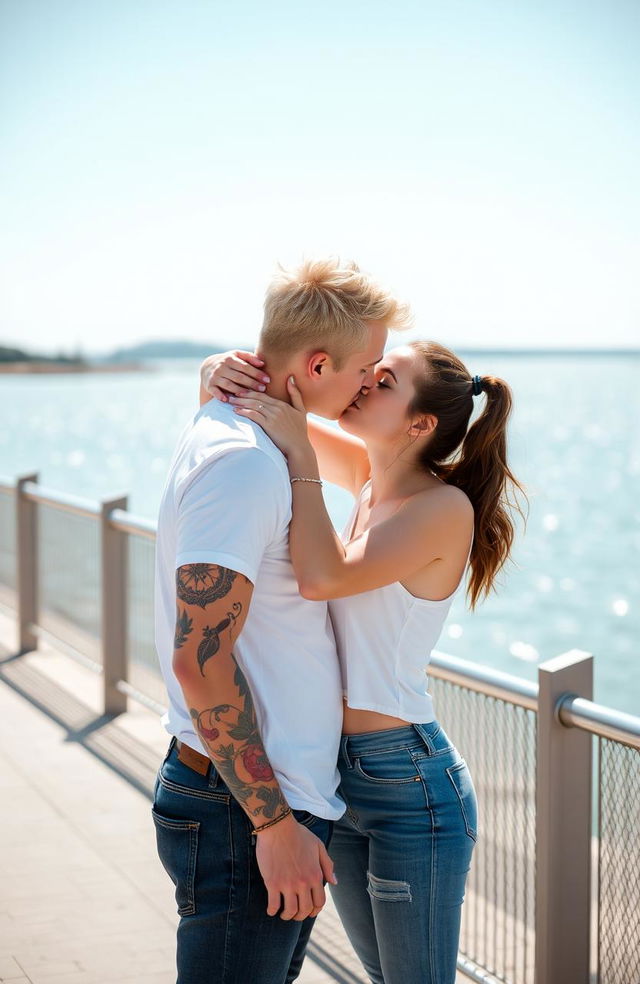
<point x="305" y="747"/>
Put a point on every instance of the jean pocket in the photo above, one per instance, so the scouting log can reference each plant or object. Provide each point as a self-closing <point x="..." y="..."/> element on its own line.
<point x="177" y="842"/>
<point x="394" y="766"/>
<point x="461" y="780"/>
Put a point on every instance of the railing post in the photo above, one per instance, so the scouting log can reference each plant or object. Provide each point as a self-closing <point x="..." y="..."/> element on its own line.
<point x="114" y="608"/>
<point x="26" y="565"/>
<point x="563" y="826"/>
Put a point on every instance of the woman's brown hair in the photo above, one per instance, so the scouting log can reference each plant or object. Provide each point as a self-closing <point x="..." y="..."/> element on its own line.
<point x="472" y="458"/>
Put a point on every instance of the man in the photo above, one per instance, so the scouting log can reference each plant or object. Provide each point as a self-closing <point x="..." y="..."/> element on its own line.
<point x="247" y="793"/>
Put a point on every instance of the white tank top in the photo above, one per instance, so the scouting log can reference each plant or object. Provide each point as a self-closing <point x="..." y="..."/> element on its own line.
<point x="385" y="638"/>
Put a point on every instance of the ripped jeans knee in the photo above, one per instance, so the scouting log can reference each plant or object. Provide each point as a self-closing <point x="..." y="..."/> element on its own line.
<point x="387" y="890"/>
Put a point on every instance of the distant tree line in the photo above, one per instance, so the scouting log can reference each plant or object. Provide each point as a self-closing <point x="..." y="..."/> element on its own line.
<point x="19" y="355"/>
<point x="153" y="349"/>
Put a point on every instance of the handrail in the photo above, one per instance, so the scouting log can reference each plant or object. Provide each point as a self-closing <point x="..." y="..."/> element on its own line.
<point x="577" y="712"/>
<point x="126" y="522"/>
<point x="60" y="500"/>
<point x="484" y="680"/>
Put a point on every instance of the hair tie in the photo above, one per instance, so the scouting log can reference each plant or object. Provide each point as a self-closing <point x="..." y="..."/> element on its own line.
<point x="477" y="385"/>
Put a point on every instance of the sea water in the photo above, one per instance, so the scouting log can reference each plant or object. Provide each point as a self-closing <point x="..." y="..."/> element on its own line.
<point x="573" y="441"/>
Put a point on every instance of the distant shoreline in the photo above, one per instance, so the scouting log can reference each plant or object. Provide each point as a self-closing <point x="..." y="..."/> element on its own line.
<point x="56" y="368"/>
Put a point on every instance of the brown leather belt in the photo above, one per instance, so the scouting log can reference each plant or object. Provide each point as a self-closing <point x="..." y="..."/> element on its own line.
<point x="194" y="760"/>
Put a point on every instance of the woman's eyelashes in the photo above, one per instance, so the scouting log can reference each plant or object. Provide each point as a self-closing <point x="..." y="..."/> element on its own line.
<point x="381" y="383"/>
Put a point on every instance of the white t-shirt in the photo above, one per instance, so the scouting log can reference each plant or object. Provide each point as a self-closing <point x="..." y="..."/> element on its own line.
<point x="227" y="501"/>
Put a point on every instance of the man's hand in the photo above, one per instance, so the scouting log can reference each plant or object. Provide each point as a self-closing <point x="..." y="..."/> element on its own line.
<point x="294" y="865"/>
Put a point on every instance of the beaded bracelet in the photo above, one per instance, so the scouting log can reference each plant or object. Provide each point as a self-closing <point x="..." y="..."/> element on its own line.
<point x="316" y="481"/>
<point x="271" y="823"/>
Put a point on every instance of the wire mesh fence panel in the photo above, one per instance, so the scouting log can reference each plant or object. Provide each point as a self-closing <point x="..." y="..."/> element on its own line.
<point x="619" y="864"/>
<point x="498" y="741"/>
<point x="7" y="539"/>
<point x="69" y="578"/>
<point x="144" y="671"/>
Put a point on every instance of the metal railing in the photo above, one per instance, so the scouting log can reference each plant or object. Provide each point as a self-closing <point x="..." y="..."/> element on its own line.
<point x="497" y="737"/>
<point x="537" y="892"/>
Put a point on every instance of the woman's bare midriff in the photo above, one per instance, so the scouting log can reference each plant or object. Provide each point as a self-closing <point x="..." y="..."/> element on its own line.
<point x="359" y="722"/>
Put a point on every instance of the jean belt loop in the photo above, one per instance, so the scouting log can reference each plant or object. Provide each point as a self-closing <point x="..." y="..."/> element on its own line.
<point x="344" y="741"/>
<point x="172" y="745"/>
<point x="422" y="731"/>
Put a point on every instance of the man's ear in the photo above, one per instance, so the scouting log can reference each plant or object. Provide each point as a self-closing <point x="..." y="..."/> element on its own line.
<point x="423" y="426"/>
<point x="318" y="363"/>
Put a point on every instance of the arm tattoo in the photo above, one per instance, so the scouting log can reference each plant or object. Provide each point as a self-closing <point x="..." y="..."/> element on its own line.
<point x="200" y="584"/>
<point x="230" y="734"/>
<point x="184" y="627"/>
<point x="211" y="636"/>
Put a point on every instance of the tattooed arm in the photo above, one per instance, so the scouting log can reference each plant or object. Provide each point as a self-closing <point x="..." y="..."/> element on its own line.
<point x="212" y="605"/>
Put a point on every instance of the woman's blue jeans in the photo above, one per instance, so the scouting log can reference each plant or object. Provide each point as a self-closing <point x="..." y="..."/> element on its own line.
<point x="204" y="841"/>
<point x="402" y="852"/>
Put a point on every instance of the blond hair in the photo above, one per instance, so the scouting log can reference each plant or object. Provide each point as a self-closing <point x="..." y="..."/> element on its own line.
<point x="325" y="305"/>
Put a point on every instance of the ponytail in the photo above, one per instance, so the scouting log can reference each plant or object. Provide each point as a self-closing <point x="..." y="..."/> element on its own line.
<point x="474" y="460"/>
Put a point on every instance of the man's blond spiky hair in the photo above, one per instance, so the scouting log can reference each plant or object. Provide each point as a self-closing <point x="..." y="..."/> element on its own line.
<point x="325" y="305"/>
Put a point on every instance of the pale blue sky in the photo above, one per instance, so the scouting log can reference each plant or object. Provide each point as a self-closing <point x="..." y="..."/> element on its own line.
<point x="157" y="159"/>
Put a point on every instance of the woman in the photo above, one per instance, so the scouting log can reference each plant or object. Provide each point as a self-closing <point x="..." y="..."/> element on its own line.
<point x="432" y="497"/>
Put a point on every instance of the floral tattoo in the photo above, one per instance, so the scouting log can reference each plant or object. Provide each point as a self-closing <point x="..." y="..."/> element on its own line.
<point x="230" y="733"/>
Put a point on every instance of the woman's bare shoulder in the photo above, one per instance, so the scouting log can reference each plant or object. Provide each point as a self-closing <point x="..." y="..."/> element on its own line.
<point x="444" y="502"/>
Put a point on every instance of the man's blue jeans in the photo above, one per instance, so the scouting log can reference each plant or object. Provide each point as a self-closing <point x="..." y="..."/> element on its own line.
<point x="402" y="852"/>
<point x="204" y="841"/>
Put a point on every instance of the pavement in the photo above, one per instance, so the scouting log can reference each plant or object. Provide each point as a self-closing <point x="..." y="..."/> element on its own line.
<point x="83" y="896"/>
